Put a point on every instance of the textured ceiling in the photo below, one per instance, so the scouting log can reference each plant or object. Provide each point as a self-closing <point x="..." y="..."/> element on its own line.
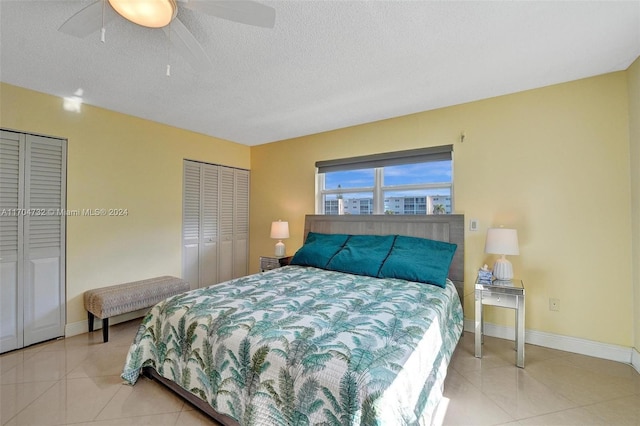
<point x="325" y="65"/>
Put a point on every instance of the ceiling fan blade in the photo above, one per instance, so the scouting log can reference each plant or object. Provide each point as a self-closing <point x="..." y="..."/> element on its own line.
<point x="87" y="20"/>
<point x="243" y="11"/>
<point x="187" y="46"/>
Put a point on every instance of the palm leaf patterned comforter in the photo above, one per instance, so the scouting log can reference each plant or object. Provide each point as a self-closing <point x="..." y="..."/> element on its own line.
<point x="305" y="346"/>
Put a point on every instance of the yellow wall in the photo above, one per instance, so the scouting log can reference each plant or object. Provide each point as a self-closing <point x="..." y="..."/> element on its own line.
<point x="117" y="161"/>
<point x="633" y="77"/>
<point x="551" y="162"/>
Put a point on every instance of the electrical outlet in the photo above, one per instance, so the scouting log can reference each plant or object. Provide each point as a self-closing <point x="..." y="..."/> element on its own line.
<point x="554" y="304"/>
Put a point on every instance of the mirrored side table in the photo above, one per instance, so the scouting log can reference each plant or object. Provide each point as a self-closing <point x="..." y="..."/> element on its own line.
<point x="505" y="294"/>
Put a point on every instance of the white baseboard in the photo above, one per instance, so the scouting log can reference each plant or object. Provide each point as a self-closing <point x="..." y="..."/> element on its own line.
<point x="635" y="359"/>
<point x="563" y="343"/>
<point x="80" y="327"/>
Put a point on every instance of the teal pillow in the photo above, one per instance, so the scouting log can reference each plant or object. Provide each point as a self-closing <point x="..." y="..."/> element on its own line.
<point x="362" y="254"/>
<point x="318" y="249"/>
<point x="420" y="260"/>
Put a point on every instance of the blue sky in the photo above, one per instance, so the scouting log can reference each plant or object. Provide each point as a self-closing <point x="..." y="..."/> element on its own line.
<point x="432" y="172"/>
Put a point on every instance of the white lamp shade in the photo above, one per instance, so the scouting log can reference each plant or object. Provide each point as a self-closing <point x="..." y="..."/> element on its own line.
<point x="148" y="13"/>
<point x="279" y="230"/>
<point x="502" y="241"/>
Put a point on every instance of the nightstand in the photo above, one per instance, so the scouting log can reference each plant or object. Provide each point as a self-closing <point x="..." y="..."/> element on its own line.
<point x="272" y="262"/>
<point x="505" y="294"/>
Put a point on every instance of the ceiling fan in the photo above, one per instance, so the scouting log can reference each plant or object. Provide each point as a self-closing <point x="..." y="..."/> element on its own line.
<point x="162" y="14"/>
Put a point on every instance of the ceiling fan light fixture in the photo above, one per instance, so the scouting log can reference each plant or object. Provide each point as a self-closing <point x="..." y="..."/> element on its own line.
<point x="148" y="13"/>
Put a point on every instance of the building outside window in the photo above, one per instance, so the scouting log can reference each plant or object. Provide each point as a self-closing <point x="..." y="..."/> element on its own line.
<point x="405" y="182"/>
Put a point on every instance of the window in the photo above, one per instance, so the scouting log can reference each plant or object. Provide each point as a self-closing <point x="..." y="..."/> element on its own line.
<point x="418" y="181"/>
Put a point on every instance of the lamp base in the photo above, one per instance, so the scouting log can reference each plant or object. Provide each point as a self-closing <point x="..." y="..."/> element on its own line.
<point x="502" y="269"/>
<point x="280" y="249"/>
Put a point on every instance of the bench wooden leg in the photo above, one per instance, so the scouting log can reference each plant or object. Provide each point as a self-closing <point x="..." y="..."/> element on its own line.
<point x="90" y="321"/>
<point x="105" y="330"/>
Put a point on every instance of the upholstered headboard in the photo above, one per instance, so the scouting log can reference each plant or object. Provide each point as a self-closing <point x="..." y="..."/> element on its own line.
<point x="448" y="228"/>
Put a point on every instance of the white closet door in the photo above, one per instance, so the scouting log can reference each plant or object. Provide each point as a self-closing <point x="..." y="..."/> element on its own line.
<point x="226" y="200"/>
<point x="44" y="230"/>
<point x="11" y="245"/>
<point x="241" y="224"/>
<point x="215" y="232"/>
<point x="191" y="224"/>
<point x="209" y="237"/>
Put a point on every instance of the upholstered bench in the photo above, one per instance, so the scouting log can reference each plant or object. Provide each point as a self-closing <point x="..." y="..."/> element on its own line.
<point x="119" y="299"/>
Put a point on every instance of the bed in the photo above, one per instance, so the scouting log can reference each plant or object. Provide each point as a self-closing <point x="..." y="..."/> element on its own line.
<point x="344" y="337"/>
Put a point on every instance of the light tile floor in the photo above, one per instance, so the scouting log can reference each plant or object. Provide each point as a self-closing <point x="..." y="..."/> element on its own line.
<point x="554" y="388"/>
<point x="77" y="381"/>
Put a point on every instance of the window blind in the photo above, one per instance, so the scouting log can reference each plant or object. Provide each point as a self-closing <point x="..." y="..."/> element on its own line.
<point x="420" y="155"/>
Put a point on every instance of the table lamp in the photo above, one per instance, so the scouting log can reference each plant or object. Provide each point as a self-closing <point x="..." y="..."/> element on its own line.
<point x="502" y="241"/>
<point x="280" y="231"/>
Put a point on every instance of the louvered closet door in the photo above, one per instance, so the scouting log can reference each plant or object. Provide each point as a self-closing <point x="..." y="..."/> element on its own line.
<point x="215" y="233"/>
<point x="200" y="224"/>
<point x="11" y="231"/>
<point x="191" y="224"/>
<point x="226" y="203"/>
<point x="241" y="224"/>
<point x="44" y="241"/>
<point x="209" y="236"/>
<point x="32" y="239"/>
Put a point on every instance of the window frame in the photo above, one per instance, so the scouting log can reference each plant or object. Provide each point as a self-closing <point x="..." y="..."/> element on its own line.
<point x="379" y="161"/>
